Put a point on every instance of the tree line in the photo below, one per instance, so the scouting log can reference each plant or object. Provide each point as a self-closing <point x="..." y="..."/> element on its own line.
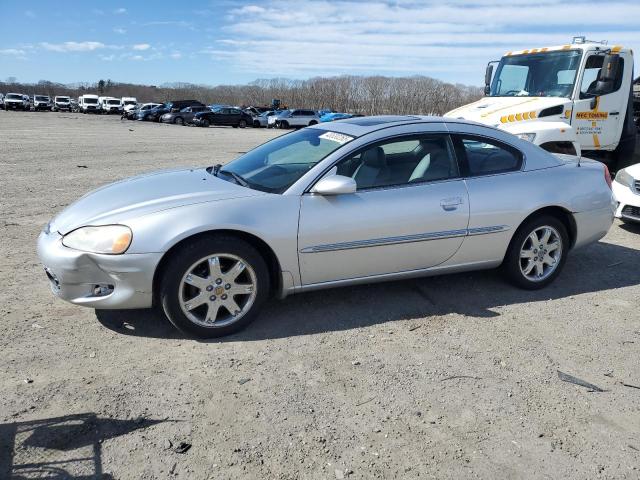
<point x="370" y="95"/>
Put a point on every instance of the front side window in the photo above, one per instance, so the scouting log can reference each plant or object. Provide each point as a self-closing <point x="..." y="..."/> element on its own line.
<point x="547" y="74"/>
<point x="276" y="165"/>
<point x="487" y="156"/>
<point x="401" y="161"/>
<point x="591" y="75"/>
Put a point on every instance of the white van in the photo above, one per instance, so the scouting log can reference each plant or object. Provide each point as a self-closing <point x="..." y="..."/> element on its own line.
<point x="61" y="102"/>
<point x="129" y="103"/>
<point x="88" y="104"/>
<point x="110" y="105"/>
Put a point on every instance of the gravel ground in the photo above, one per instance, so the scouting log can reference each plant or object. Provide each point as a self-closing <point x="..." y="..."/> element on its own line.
<point x="444" y="377"/>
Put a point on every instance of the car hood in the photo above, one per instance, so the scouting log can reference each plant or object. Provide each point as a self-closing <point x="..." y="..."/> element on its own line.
<point x="145" y="194"/>
<point x="497" y="111"/>
<point x="634" y="171"/>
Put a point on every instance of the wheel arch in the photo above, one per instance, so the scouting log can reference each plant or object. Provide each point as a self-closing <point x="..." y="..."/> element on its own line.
<point x="561" y="213"/>
<point x="259" y="244"/>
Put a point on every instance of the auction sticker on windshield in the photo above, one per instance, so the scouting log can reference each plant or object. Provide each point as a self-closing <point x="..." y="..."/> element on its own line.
<point x="336" y="137"/>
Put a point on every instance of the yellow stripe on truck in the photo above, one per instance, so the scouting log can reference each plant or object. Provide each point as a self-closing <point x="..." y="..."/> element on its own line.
<point x="596" y="141"/>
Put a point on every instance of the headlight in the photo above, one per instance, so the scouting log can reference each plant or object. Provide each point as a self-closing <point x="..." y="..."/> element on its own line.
<point x="624" y="178"/>
<point x="107" y="239"/>
<point x="529" y="137"/>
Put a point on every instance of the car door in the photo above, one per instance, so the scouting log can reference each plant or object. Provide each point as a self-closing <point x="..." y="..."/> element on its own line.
<point x="598" y="120"/>
<point x="498" y="193"/>
<point x="410" y="212"/>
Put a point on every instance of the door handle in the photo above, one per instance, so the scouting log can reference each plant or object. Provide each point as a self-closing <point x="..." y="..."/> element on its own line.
<point x="614" y="113"/>
<point x="450" y="203"/>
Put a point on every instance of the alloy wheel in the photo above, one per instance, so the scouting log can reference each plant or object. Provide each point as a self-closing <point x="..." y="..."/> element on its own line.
<point x="540" y="253"/>
<point x="217" y="290"/>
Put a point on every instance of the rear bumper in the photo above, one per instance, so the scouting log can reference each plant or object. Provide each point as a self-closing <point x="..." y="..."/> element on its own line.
<point x="592" y="225"/>
<point x="97" y="281"/>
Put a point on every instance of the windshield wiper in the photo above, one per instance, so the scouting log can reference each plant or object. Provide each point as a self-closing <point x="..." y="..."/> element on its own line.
<point x="238" y="178"/>
<point x="216" y="169"/>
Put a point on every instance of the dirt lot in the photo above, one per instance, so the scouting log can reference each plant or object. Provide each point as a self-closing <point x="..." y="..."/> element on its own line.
<point x="446" y="377"/>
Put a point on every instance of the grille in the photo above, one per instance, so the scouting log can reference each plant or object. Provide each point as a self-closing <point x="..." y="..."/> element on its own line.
<point x="630" y="211"/>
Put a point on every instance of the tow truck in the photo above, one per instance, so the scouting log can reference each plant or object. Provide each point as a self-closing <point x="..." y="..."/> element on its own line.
<point x="575" y="99"/>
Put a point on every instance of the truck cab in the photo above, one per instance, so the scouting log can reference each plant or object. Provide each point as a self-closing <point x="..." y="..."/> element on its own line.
<point x="61" y="102"/>
<point x="110" y="105"/>
<point x="41" y="102"/>
<point x="573" y="99"/>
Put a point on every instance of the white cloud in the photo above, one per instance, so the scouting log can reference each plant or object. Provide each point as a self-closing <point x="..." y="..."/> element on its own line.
<point x="452" y="40"/>
<point x="14" y="52"/>
<point x="73" y="46"/>
<point x="137" y="57"/>
<point x="119" y="30"/>
<point x="141" y="46"/>
<point x="120" y="11"/>
<point x="176" y="55"/>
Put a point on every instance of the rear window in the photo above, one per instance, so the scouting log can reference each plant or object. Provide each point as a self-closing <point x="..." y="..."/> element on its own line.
<point x="484" y="156"/>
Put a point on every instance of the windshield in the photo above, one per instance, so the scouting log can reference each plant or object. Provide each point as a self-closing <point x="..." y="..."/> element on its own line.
<point x="42" y="98"/>
<point x="550" y="74"/>
<point x="113" y="102"/>
<point x="13" y="96"/>
<point x="90" y="100"/>
<point x="129" y="102"/>
<point x="276" y="165"/>
<point x="62" y="99"/>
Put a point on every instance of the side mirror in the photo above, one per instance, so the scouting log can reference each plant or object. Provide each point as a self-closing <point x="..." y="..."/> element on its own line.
<point x="487" y="79"/>
<point x="335" y="185"/>
<point x="610" y="66"/>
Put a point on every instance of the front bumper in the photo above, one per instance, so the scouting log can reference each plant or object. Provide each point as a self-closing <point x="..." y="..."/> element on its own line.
<point x="628" y="202"/>
<point x="98" y="281"/>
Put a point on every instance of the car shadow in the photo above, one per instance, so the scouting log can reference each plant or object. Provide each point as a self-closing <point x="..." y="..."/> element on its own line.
<point x="66" y="447"/>
<point x="598" y="267"/>
<point x="631" y="227"/>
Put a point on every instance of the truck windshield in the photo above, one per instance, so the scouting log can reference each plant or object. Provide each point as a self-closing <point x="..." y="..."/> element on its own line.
<point x="90" y="100"/>
<point x="547" y="74"/>
<point x="62" y="99"/>
<point x="41" y="98"/>
<point x="113" y="102"/>
<point x="13" y="96"/>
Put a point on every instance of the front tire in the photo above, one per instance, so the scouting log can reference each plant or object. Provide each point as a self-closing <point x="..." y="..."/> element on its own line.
<point x="242" y="124"/>
<point x="214" y="286"/>
<point x="179" y="121"/>
<point x="537" y="253"/>
<point x="283" y="125"/>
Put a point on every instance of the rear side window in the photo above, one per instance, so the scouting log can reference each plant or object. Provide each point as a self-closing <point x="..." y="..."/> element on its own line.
<point x="484" y="156"/>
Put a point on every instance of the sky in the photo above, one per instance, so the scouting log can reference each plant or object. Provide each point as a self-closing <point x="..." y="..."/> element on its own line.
<point x="231" y="42"/>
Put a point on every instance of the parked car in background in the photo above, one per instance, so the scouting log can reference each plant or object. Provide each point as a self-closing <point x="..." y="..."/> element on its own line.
<point x="293" y="119"/>
<point x="333" y="116"/>
<point x="61" y="102"/>
<point x="111" y="105"/>
<point x="329" y="205"/>
<point x="89" y="103"/>
<point x="229" y="116"/>
<point x="626" y="190"/>
<point x="1" y="100"/>
<point x="183" y="116"/>
<point x="129" y="103"/>
<point x="154" y="114"/>
<point x="263" y="119"/>
<point x="42" y="102"/>
<point x="16" y="101"/>
<point x="74" y="105"/>
<point x="256" y="111"/>
<point x="132" y="114"/>
<point x="29" y="101"/>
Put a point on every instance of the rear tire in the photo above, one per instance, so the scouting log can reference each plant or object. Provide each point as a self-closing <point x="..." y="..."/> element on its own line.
<point x="212" y="262"/>
<point x="242" y="124"/>
<point x="205" y="123"/>
<point x="313" y="122"/>
<point x="530" y="264"/>
<point x="283" y="125"/>
<point x="179" y="121"/>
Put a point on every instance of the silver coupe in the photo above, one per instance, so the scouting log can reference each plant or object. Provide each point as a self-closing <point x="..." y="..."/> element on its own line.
<point x="357" y="201"/>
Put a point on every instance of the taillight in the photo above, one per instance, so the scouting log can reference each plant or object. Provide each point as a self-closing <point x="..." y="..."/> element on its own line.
<point x="607" y="176"/>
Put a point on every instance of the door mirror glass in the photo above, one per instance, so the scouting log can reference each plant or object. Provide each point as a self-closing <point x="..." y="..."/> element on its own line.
<point x="487" y="79"/>
<point x="335" y="185"/>
<point x="610" y="67"/>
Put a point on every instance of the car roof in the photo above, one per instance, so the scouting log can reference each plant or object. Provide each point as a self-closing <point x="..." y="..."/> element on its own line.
<point x="357" y="126"/>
